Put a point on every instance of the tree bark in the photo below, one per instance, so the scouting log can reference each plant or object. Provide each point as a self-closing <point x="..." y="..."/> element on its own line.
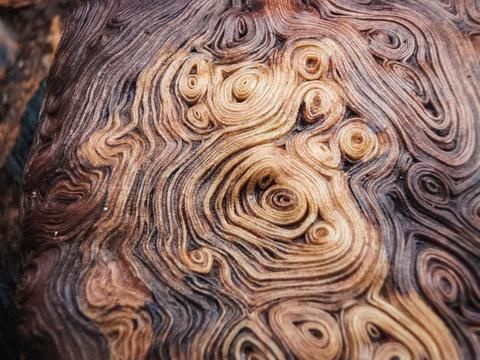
<point x="257" y="179"/>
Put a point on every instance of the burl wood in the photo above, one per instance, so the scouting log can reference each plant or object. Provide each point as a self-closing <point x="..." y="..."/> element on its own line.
<point x="257" y="180"/>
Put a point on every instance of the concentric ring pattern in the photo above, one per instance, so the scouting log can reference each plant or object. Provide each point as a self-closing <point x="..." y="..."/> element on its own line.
<point x="257" y="180"/>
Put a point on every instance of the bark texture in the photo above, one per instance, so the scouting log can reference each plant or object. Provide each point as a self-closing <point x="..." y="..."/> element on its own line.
<point x="257" y="179"/>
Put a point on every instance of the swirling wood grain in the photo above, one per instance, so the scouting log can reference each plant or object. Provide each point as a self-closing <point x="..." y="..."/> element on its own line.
<point x="257" y="179"/>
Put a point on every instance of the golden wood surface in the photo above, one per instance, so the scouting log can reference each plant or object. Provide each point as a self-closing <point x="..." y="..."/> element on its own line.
<point x="257" y="180"/>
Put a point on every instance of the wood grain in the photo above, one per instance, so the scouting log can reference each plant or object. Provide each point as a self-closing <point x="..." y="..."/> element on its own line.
<point x="257" y="180"/>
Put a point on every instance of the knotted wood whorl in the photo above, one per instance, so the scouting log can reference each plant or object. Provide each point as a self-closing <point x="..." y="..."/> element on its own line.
<point x="257" y="180"/>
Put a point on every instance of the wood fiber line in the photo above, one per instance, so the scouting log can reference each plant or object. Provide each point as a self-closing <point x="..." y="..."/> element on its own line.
<point x="257" y="180"/>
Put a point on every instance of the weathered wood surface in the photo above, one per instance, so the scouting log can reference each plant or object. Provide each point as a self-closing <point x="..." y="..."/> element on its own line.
<point x="28" y="37"/>
<point x="257" y="179"/>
